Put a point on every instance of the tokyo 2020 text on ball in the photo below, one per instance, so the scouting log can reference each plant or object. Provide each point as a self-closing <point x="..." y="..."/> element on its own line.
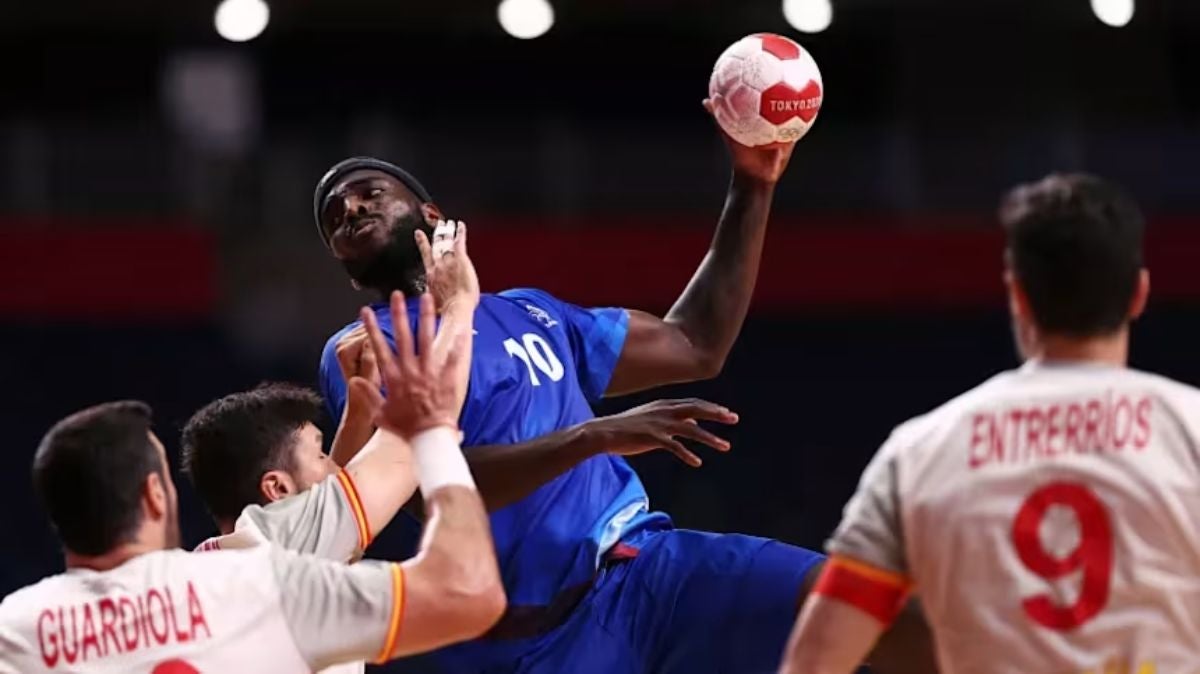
<point x="766" y="89"/>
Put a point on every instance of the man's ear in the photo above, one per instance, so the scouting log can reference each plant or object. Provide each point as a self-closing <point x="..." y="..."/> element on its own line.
<point x="431" y="213"/>
<point x="276" y="485"/>
<point x="155" y="496"/>
<point x="1141" y="295"/>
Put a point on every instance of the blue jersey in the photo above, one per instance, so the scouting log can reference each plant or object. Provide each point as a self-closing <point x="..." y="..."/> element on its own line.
<point x="537" y="363"/>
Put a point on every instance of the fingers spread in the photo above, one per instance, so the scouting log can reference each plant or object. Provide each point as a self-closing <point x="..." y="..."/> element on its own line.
<point x="682" y="453"/>
<point x="695" y="408"/>
<point x="691" y="430"/>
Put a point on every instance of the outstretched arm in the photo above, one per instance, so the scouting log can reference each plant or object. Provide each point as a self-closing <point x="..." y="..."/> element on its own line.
<point x="508" y="473"/>
<point x="692" y="341"/>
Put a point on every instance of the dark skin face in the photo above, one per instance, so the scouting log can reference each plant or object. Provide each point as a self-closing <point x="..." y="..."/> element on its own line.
<point x="370" y="219"/>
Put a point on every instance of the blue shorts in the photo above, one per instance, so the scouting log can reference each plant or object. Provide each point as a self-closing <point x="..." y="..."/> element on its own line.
<point x="690" y="603"/>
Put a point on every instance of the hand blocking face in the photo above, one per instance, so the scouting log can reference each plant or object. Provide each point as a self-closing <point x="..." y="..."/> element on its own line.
<point x="423" y="381"/>
<point x="449" y="273"/>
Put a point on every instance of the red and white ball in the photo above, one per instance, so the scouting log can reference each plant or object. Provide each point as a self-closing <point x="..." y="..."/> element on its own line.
<point x="766" y="89"/>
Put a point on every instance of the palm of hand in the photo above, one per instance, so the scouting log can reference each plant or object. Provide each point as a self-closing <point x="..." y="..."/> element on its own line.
<point x="449" y="274"/>
<point x="452" y="276"/>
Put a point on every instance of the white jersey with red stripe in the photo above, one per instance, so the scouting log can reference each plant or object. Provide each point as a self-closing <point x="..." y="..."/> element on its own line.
<point x="1049" y="520"/>
<point x="326" y="520"/>
<point x="263" y="610"/>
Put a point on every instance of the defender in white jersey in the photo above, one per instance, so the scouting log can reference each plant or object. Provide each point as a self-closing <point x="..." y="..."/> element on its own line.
<point x="256" y="457"/>
<point x="128" y="603"/>
<point x="1050" y="518"/>
<point x="257" y="461"/>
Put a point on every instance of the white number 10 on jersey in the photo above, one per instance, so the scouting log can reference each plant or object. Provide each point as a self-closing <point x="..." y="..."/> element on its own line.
<point x="535" y="353"/>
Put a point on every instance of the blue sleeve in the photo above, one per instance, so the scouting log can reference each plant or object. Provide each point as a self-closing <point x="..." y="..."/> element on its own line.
<point x="329" y="378"/>
<point x="596" y="337"/>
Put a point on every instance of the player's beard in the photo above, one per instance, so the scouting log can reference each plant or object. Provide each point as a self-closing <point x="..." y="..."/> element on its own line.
<point x="398" y="266"/>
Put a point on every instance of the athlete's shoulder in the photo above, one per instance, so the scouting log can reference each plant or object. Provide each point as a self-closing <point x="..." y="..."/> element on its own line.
<point x="523" y="296"/>
<point x="1174" y="398"/>
<point x="18" y="605"/>
<point x="532" y="303"/>
<point x="1165" y="385"/>
<point x="517" y="294"/>
<point x="18" y="613"/>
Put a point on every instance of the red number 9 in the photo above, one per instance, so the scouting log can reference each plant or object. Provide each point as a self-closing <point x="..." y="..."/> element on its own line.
<point x="1094" y="555"/>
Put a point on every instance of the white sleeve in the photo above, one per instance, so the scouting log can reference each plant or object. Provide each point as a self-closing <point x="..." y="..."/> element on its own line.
<point x="870" y="530"/>
<point x="10" y="649"/>
<point x="18" y="653"/>
<point x="337" y="612"/>
<point x="326" y="520"/>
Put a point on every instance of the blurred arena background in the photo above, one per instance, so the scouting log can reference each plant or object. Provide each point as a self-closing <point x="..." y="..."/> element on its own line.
<point x="156" y="236"/>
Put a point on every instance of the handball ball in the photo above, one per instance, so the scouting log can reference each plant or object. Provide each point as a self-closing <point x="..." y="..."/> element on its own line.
<point x="766" y="89"/>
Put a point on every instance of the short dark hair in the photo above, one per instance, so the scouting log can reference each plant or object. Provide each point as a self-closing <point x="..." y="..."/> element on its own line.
<point x="1075" y="245"/>
<point x="231" y="442"/>
<point x="88" y="473"/>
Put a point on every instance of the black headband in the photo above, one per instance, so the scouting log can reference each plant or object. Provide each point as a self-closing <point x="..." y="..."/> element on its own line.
<point x="347" y="166"/>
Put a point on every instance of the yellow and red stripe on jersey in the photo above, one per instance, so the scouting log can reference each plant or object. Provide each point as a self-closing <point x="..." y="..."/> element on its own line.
<point x="878" y="592"/>
<point x="356" y="507"/>
<point x="393" y="631"/>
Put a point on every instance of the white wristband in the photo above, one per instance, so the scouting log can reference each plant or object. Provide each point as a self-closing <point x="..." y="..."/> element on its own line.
<point x="440" y="461"/>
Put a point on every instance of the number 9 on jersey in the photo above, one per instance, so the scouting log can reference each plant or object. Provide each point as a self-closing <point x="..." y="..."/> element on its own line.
<point x="1093" y="555"/>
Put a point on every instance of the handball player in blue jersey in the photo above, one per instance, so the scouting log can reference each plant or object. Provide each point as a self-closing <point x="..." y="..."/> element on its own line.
<point x="596" y="581"/>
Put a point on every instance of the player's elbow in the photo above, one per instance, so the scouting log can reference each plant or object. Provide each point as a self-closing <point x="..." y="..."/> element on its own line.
<point x="474" y="607"/>
<point x="692" y="366"/>
<point x="690" y="349"/>
<point x="487" y="606"/>
<point x="707" y="365"/>
<point x="447" y="604"/>
<point x="471" y="592"/>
